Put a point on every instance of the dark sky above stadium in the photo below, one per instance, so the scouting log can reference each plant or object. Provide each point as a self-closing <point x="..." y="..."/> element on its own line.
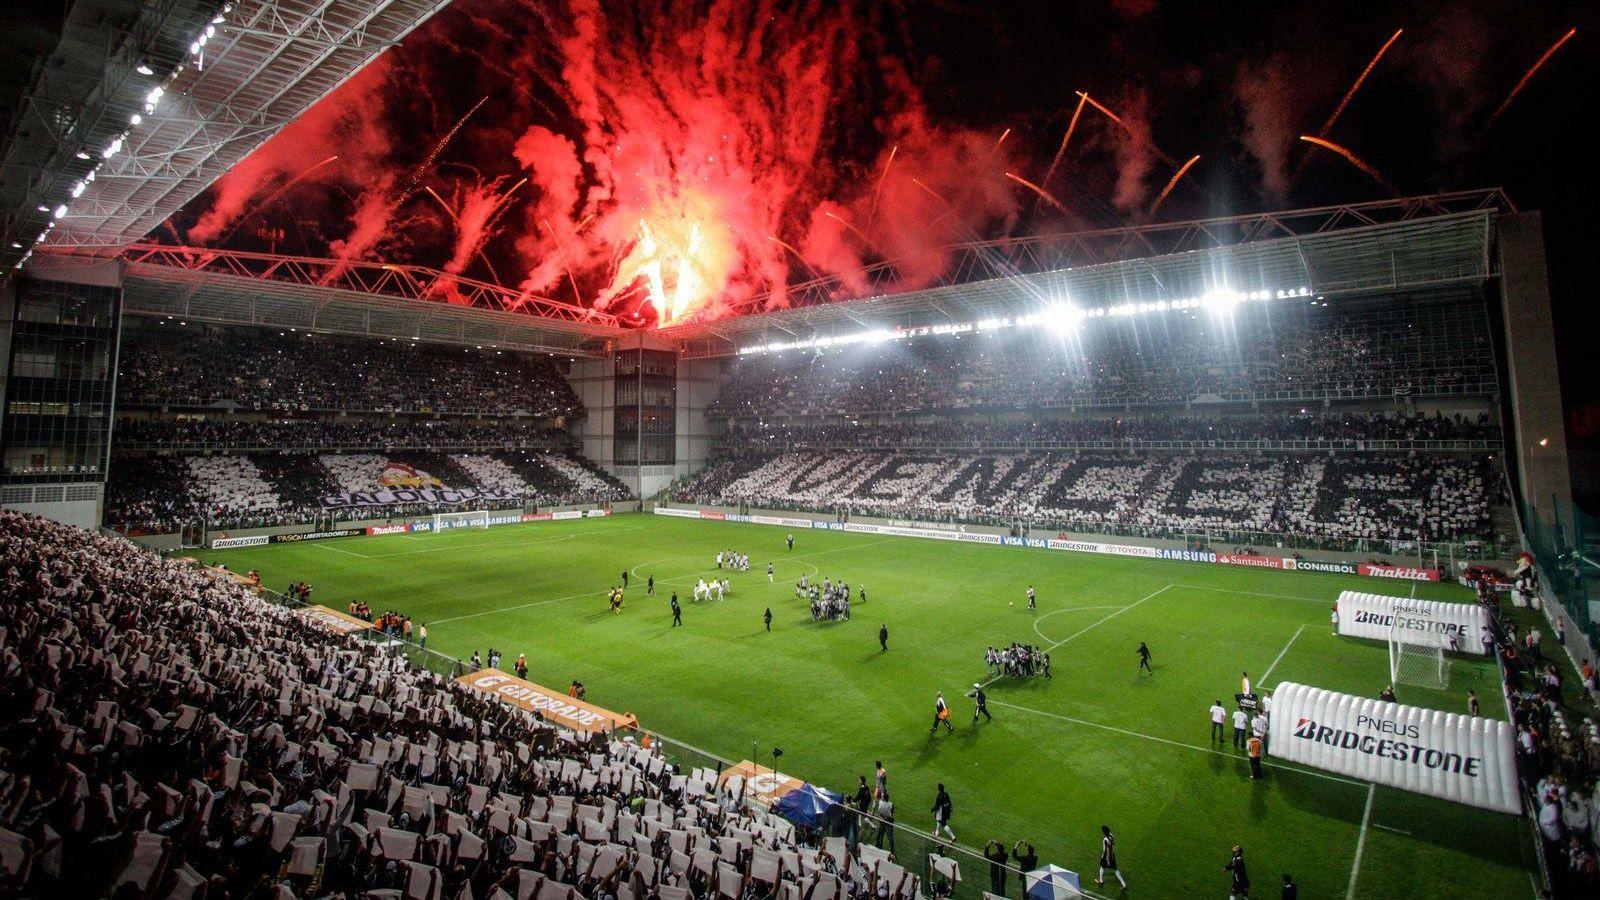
<point x="657" y="157"/>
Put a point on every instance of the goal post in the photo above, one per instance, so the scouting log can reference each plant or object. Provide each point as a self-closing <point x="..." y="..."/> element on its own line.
<point x="469" y="519"/>
<point x="1417" y="658"/>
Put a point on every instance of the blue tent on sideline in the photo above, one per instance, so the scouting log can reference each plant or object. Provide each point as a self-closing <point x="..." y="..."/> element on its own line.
<point x="808" y="805"/>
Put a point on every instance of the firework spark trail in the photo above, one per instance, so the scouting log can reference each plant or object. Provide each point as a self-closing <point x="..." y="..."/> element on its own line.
<point x="1040" y="191"/>
<point x="561" y="248"/>
<point x="426" y="166"/>
<point x="1140" y="134"/>
<point x="1528" y="76"/>
<point x="1339" y="110"/>
<point x="303" y="175"/>
<point x="1172" y="184"/>
<point x="1003" y="135"/>
<point x="877" y="190"/>
<point x="1349" y="156"/>
<point x="853" y="230"/>
<point x="1065" y="139"/>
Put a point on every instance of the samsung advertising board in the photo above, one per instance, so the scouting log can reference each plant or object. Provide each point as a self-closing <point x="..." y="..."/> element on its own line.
<point x="1467" y="759"/>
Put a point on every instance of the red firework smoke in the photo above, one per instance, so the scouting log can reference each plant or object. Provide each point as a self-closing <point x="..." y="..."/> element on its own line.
<point x="673" y="149"/>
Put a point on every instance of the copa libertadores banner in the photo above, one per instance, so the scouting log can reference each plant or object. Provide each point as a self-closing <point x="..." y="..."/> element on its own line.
<point x="1468" y="759"/>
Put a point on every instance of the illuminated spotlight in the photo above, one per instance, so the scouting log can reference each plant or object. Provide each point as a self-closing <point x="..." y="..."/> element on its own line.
<point x="144" y="69"/>
<point x="16" y="245"/>
<point x="135" y="119"/>
<point x="1220" y="301"/>
<point x="43" y="208"/>
<point x="1062" y="318"/>
<point x="82" y="154"/>
<point x="61" y="210"/>
<point x="77" y="189"/>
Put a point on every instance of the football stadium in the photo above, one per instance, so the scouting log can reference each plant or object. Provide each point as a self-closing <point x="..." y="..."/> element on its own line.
<point x="586" y="450"/>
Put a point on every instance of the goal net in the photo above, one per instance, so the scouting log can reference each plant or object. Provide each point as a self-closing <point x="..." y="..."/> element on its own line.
<point x="473" y="519"/>
<point x="1417" y="658"/>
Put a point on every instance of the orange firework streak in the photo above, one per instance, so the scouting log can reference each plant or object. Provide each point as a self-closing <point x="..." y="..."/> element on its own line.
<point x="275" y="195"/>
<point x="1040" y="191"/>
<point x="1345" y="101"/>
<point x="1339" y="110"/>
<point x="1350" y="157"/>
<point x="1531" y="72"/>
<point x="1065" y="139"/>
<point x="1160" y="154"/>
<point x="1003" y="135"/>
<point x="1173" y="183"/>
<point x="853" y="230"/>
<point x="872" y="214"/>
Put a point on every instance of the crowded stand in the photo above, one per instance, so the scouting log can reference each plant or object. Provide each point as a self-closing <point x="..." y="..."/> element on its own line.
<point x="1261" y="353"/>
<point x="231" y="433"/>
<point x="268" y="370"/>
<point x="148" y="494"/>
<point x="1297" y="430"/>
<point x="172" y="734"/>
<point x="1376" y="496"/>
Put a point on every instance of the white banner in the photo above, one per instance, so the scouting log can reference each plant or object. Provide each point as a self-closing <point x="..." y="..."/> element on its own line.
<point x="1468" y="759"/>
<point x="781" y="520"/>
<point x="252" y="541"/>
<point x="567" y="514"/>
<point x="1424" y="623"/>
<point x="1096" y="547"/>
<point x="674" y="511"/>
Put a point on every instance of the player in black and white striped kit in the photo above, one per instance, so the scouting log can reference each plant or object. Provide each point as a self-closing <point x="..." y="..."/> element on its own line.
<point x="1108" y="858"/>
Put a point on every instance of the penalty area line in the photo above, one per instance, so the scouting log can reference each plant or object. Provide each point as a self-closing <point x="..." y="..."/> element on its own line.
<point x="1281" y="653"/>
<point x="1361" y="843"/>
<point x="1171" y="743"/>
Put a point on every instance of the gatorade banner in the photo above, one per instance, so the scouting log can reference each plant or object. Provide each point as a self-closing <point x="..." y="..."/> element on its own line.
<point x="1424" y="623"/>
<point x="1468" y="759"/>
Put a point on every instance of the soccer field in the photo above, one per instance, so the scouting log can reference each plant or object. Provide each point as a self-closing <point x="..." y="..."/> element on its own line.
<point x="1098" y="743"/>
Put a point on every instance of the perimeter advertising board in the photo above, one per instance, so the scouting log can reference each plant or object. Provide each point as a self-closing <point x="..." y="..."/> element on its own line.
<point x="1468" y="759"/>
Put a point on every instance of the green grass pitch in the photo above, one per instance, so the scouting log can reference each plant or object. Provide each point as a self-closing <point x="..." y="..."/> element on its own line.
<point x="1097" y="743"/>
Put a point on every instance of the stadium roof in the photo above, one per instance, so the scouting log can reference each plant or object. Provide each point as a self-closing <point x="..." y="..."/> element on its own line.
<point x="1388" y="246"/>
<point x="1371" y="248"/>
<point x="262" y="63"/>
<point x="364" y="300"/>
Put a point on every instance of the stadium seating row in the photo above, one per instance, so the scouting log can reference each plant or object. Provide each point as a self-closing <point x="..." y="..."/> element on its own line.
<point x="1262" y="353"/>
<point x="170" y="734"/>
<point x="161" y="493"/>
<point x="1340" y="497"/>
<point x="268" y="370"/>
<point x="1342" y="431"/>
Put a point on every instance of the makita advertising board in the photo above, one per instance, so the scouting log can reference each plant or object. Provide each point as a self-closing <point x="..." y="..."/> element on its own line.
<point x="1425" y="623"/>
<point x="1468" y="759"/>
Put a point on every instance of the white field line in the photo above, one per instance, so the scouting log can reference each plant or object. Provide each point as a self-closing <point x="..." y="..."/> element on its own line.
<point x="341" y="550"/>
<point x="1281" y="653"/>
<point x="1070" y="609"/>
<point x="1096" y="624"/>
<point x="1218" y="590"/>
<point x="1361" y="843"/>
<point x="1171" y="743"/>
<point x="490" y="612"/>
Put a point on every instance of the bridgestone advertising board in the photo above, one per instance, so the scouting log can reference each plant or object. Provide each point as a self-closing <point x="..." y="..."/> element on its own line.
<point x="1468" y="759"/>
<point x="1423" y="623"/>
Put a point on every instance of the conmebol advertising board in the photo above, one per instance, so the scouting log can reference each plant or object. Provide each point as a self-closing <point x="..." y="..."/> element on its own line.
<point x="1468" y="759"/>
